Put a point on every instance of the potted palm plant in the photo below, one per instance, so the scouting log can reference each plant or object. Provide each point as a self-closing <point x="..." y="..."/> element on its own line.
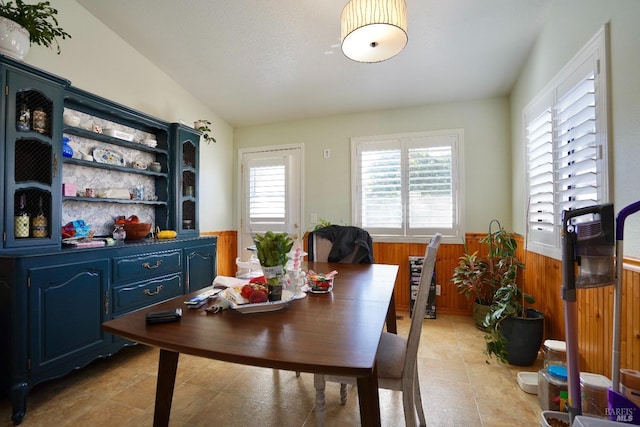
<point x="27" y="24"/>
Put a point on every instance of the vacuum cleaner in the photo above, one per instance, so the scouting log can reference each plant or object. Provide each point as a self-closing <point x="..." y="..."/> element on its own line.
<point x="590" y="246"/>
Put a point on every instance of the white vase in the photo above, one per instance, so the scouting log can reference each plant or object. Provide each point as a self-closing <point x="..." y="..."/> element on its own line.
<point x="14" y="39"/>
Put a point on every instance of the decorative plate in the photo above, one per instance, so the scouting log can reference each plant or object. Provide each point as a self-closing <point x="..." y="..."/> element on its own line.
<point x="109" y="157"/>
<point x="261" y="307"/>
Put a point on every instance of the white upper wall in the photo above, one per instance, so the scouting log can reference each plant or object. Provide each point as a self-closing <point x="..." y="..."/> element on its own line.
<point x="328" y="181"/>
<point x="97" y="60"/>
<point x="566" y="32"/>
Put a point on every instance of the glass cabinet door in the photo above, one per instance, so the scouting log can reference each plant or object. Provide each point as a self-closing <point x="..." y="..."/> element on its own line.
<point x="186" y="186"/>
<point x="32" y="158"/>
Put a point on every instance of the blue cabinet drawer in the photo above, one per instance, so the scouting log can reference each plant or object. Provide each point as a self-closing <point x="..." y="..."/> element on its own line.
<point x="148" y="265"/>
<point x="141" y="294"/>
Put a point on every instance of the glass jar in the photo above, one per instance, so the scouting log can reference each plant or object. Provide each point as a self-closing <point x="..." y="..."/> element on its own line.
<point x="555" y="353"/>
<point x="553" y="392"/>
<point x="39" y="120"/>
<point x="594" y="390"/>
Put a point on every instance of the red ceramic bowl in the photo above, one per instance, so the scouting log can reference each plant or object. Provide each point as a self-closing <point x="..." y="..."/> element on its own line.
<point x="137" y="231"/>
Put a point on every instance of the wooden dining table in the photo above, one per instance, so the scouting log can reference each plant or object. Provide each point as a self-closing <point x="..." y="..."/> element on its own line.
<point x="336" y="333"/>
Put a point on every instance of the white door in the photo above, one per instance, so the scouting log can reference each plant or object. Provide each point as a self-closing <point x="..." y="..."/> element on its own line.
<point x="271" y="183"/>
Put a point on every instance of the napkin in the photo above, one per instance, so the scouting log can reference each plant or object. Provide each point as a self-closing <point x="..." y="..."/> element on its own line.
<point x="228" y="282"/>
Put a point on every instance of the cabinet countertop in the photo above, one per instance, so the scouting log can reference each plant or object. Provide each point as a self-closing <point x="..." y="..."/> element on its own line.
<point x="155" y="243"/>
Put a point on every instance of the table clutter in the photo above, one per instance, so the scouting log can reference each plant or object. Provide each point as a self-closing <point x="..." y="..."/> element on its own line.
<point x="249" y="293"/>
<point x="319" y="282"/>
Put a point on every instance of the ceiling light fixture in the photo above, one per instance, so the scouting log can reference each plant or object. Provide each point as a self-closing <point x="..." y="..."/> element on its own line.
<point x="374" y="30"/>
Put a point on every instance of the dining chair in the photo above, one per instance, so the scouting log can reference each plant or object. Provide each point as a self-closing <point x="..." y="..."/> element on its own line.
<point x="340" y="243"/>
<point x="396" y="359"/>
<point x="353" y="245"/>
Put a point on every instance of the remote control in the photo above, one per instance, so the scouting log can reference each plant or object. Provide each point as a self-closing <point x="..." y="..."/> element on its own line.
<point x="200" y="299"/>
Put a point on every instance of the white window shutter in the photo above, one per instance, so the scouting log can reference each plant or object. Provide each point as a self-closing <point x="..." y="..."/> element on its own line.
<point x="577" y="151"/>
<point x="566" y="145"/>
<point x="540" y="168"/>
<point x="381" y="188"/>
<point x="408" y="185"/>
<point x="431" y="189"/>
<point x="267" y="193"/>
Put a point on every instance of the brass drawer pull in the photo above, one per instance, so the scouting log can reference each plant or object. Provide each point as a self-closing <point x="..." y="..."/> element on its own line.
<point x="149" y="293"/>
<point x="151" y="267"/>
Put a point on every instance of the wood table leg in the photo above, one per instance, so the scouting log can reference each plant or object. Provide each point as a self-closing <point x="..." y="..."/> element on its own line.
<point x="369" y="400"/>
<point x="167" y="367"/>
<point x="391" y="322"/>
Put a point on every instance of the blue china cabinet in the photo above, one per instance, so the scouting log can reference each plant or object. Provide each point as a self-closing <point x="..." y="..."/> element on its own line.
<point x="186" y="163"/>
<point x="54" y="297"/>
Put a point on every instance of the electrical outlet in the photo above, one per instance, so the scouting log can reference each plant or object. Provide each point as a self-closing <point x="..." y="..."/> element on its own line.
<point x="327" y="153"/>
<point x="438" y="289"/>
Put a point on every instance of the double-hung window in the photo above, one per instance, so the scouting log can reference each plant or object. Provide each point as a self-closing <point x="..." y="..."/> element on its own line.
<point x="566" y="146"/>
<point x="406" y="187"/>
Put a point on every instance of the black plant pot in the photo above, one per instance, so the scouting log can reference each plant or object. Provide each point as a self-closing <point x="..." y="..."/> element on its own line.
<point x="524" y="337"/>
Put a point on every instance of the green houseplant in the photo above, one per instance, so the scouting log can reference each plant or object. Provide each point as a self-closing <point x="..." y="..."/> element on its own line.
<point x="514" y="331"/>
<point x="479" y="277"/>
<point x="203" y="126"/>
<point x="38" y="19"/>
<point x="273" y="249"/>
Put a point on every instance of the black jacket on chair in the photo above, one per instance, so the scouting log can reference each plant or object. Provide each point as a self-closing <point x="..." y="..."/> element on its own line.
<point x="345" y="240"/>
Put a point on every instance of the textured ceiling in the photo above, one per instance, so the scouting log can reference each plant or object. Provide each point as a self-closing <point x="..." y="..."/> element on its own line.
<point x="262" y="61"/>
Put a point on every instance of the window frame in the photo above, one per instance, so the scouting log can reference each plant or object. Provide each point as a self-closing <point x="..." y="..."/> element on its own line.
<point x="593" y="56"/>
<point x="406" y="140"/>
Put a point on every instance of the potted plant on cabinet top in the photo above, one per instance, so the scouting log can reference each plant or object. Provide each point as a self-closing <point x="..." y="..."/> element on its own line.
<point x="27" y="24"/>
<point x="514" y="330"/>
<point x="203" y="126"/>
<point x="478" y="278"/>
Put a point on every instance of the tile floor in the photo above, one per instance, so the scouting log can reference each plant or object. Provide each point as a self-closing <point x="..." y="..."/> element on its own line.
<point x="458" y="387"/>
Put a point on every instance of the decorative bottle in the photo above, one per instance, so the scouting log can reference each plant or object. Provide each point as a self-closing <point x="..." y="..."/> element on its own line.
<point x="67" y="151"/>
<point x="23" y="117"/>
<point x="40" y="223"/>
<point x="21" y="219"/>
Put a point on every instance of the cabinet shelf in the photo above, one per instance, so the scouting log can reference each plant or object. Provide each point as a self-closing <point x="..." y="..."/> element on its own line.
<point x="30" y="134"/>
<point x="84" y="133"/>
<point x="109" y="200"/>
<point x="93" y="164"/>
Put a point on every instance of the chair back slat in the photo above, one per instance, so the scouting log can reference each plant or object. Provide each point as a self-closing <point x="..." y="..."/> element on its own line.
<point x="420" y="305"/>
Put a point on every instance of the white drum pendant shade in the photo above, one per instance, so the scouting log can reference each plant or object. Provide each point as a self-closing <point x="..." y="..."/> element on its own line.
<point x="373" y="30"/>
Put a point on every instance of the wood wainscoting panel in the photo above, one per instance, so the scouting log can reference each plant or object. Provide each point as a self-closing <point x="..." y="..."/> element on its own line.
<point x="227" y="251"/>
<point x="449" y="301"/>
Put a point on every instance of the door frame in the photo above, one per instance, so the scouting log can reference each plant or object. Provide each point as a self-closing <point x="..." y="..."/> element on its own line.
<point x="297" y="222"/>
